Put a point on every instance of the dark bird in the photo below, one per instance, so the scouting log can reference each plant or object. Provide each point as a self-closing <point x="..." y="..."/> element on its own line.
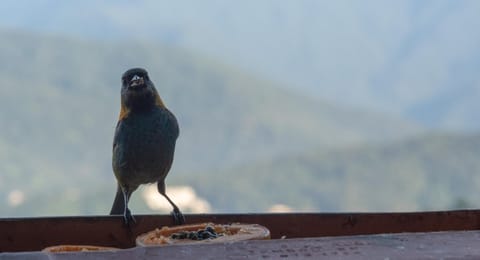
<point x="144" y="142"/>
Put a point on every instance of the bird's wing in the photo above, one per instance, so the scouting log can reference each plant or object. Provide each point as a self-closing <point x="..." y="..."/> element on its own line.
<point x="172" y="124"/>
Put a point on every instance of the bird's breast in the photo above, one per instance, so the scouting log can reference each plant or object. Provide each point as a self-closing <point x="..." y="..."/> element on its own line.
<point x="144" y="144"/>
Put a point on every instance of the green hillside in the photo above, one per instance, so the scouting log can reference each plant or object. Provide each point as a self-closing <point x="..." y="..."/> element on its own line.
<point x="419" y="59"/>
<point x="432" y="172"/>
<point x="59" y="99"/>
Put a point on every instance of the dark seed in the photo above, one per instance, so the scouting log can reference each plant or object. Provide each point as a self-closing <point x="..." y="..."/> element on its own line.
<point x="204" y="235"/>
<point x="201" y="234"/>
<point x="212" y="235"/>
<point x="210" y="229"/>
<point x="178" y="235"/>
<point x="193" y="236"/>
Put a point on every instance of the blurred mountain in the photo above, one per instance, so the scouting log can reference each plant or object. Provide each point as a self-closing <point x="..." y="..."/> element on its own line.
<point x="430" y="172"/>
<point x="59" y="99"/>
<point x="413" y="58"/>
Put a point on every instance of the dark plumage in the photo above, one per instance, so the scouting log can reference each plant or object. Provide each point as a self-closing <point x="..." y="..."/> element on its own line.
<point x="144" y="142"/>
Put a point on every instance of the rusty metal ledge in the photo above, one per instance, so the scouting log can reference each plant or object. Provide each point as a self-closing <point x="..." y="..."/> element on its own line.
<point x="33" y="234"/>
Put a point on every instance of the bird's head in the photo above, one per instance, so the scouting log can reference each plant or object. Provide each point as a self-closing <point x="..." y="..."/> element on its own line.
<point x="138" y="92"/>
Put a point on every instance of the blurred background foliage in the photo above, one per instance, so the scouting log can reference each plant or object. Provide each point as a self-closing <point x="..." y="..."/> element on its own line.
<point x="311" y="105"/>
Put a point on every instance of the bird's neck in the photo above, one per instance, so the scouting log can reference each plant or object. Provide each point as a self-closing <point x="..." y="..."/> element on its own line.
<point x="140" y="104"/>
<point x="137" y="104"/>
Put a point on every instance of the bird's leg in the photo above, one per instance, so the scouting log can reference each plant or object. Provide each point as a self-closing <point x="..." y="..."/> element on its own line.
<point x="127" y="215"/>
<point x="178" y="217"/>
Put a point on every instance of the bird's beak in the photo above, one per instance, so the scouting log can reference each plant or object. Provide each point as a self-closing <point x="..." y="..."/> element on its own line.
<point x="136" y="81"/>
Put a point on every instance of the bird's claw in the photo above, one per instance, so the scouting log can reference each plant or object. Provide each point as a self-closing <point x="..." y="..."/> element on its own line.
<point x="128" y="218"/>
<point x="178" y="218"/>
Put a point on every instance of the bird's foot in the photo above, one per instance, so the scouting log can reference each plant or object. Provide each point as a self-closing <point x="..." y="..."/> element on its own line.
<point x="178" y="218"/>
<point x="128" y="218"/>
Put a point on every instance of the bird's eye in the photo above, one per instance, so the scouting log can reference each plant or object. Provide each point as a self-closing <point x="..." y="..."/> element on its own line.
<point x="124" y="79"/>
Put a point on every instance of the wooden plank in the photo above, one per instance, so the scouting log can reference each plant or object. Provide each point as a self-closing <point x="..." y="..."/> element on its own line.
<point x="30" y="234"/>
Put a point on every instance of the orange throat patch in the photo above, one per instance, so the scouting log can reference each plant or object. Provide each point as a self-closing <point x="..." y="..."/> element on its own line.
<point x="123" y="112"/>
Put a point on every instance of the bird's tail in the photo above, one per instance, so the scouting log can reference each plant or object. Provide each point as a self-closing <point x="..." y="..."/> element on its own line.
<point x="118" y="206"/>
